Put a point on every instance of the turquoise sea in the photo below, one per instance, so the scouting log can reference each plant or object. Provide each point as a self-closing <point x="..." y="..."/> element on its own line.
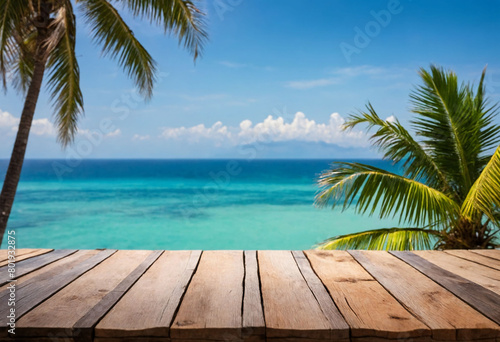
<point x="176" y="204"/>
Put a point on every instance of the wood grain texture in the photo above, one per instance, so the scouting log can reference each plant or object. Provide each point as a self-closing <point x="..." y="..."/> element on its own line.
<point x="4" y="255"/>
<point x="482" y="275"/>
<point x="290" y="308"/>
<point x="367" y="307"/>
<point x="178" y="296"/>
<point x="84" y="327"/>
<point x="148" y="308"/>
<point x="53" y="269"/>
<point x="439" y="309"/>
<point x="29" y="265"/>
<point x="211" y="307"/>
<point x="480" y="298"/>
<point x="490" y="253"/>
<point x="340" y="329"/>
<point x="30" y="254"/>
<point x="35" y="291"/>
<point x="132" y="339"/>
<point x="81" y="296"/>
<point x="475" y="257"/>
<point x="253" y="314"/>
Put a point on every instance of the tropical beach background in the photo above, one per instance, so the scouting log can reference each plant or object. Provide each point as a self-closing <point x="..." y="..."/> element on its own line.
<point x="227" y="151"/>
<point x="178" y="204"/>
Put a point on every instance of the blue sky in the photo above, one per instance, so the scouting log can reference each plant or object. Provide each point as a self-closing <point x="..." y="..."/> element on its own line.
<point x="275" y="81"/>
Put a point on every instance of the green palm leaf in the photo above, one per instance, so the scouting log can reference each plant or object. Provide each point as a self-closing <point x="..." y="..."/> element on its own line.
<point x="486" y="133"/>
<point x="376" y="189"/>
<point x="484" y="196"/>
<point x="38" y="38"/>
<point x="12" y="12"/>
<point x="398" y="239"/>
<point x="23" y="62"/>
<point x="455" y="124"/>
<point x="398" y="145"/>
<point x="450" y="179"/>
<point x="64" y="79"/>
<point x="181" y="17"/>
<point x="118" y="41"/>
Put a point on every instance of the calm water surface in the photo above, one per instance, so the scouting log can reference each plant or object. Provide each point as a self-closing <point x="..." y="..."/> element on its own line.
<point x="176" y="204"/>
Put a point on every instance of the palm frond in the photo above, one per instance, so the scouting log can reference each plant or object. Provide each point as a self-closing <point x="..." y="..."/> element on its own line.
<point x="23" y="63"/>
<point x="180" y="17"/>
<point x="485" y="134"/>
<point x="484" y="196"/>
<point x="451" y="121"/>
<point x="398" y="239"/>
<point x="398" y="145"/>
<point x="64" y="79"/>
<point x="375" y="189"/>
<point x="118" y="41"/>
<point x="12" y="12"/>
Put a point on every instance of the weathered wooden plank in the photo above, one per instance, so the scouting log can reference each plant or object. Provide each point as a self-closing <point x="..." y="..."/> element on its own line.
<point x="290" y="308"/>
<point x="84" y="327"/>
<point x="480" y="298"/>
<point x="211" y="307"/>
<point x="475" y="257"/>
<point x="482" y="275"/>
<point x="148" y="308"/>
<point x="367" y="307"/>
<point x="79" y="297"/>
<point x="24" y="256"/>
<point x="35" y="291"/>
<point x="164" y="284"/>
<point x="490" y="253"/>
<point x="29" y="265"/>
<point x="47" y="272"/>
<point x="253" y="315"/>
<point x="133" y="339"/>
<point x="439" y="309"/>
<point x="4" y="253"/>
<point x="340" y="328"/>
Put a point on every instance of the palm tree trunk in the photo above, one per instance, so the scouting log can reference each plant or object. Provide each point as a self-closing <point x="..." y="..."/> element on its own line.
<point x="17" y="158"/>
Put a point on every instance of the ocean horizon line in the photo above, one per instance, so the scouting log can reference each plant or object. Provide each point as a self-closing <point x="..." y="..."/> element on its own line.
<point x="189" y="159"/>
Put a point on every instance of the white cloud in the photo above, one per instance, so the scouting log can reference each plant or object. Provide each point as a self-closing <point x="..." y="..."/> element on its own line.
<point x="43" y="127"/>
<point x="40" y="127"/>
<point x="138" y="137"/>
<point x="373" y="72"/>
<point x="343" y="75"/>
<point x="233" y="65"/>
<point x="360" y="70"/>
<point x="272" y="130"/>
<point x="391" y="119"/>
<point x="97" y="134"/>
<point x="117" y="132"/>
<point x="8" y="120"/>
<point x="217" y="132"/>
<point x="308" y="84"/>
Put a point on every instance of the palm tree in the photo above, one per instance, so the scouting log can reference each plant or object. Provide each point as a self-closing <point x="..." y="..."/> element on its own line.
<point x="39" y="35"/>
<point x="448" y="193"/>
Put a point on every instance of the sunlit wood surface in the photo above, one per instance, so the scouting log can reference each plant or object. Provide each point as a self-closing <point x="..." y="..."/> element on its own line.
<point x="132" y="295"/>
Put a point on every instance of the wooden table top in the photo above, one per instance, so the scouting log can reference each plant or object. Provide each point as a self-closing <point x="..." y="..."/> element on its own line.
<point x="136" y="295"/>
